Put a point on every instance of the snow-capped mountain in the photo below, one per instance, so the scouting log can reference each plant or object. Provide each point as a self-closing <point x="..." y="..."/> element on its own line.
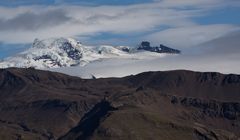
<point x="62" y="52"/>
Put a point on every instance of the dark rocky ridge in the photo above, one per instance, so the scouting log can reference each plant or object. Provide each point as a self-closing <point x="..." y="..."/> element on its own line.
<point x="145" y="45"/>
<point x="208" y="85"/>
<point x="179" y="104"/>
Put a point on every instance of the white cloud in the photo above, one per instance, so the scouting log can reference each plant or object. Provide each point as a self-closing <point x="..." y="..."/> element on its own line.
<point x="72" y="21"/>
<point x="218" y="55"/>
<point x="184" y="37"/>
<point x="121" y="68"/>
<point x="87" y="20"/>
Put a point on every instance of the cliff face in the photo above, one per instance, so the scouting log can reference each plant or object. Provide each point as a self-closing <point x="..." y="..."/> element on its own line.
<point x="154" y="105"/>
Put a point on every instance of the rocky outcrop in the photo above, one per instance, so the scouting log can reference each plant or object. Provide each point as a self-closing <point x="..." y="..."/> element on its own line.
<point x="145" y="45"/>
<point x="212" y="108"/>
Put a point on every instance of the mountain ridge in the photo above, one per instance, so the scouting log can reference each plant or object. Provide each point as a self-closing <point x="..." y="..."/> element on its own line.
<point x="157" y="105"/>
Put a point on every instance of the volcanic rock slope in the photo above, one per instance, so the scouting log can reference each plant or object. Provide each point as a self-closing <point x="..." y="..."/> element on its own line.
<point x="167" y="105"/>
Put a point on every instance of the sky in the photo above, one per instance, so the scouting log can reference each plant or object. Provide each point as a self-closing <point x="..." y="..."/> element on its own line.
<point x="180" y="24"/>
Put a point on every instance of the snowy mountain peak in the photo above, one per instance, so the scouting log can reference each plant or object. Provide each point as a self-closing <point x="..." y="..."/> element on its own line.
<point x="55" y="43"/>
<point x="66" y="52"/>
<point x="54" y="52"/>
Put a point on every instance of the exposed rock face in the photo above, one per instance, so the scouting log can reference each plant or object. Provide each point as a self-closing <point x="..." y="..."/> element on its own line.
<point x="145" y="44"/>
<point x="161" y="49"/>
<point x="154" y="105"/>
<point x="212" y="108"/>
<point x="165" y="49"/>
<point x="71" y="51"/>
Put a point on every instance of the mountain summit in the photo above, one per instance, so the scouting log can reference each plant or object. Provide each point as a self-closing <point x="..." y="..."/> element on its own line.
<point x="67" y="52"/>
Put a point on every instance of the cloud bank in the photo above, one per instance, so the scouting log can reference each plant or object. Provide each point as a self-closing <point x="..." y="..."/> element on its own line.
<point x="168" y="21"/>
<point x="218" y="55"/>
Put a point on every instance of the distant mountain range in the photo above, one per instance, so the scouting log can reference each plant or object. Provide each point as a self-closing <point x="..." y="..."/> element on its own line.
<point x="62" y="52"/>
<point x="166" y="105"/>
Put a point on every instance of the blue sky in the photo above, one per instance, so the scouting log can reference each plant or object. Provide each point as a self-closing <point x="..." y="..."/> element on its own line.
<point x="229" y="15"/>
<point x="117" y="22"/>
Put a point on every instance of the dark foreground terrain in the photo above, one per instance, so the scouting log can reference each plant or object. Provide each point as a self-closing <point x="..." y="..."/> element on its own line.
<point x="41" y="105"/>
